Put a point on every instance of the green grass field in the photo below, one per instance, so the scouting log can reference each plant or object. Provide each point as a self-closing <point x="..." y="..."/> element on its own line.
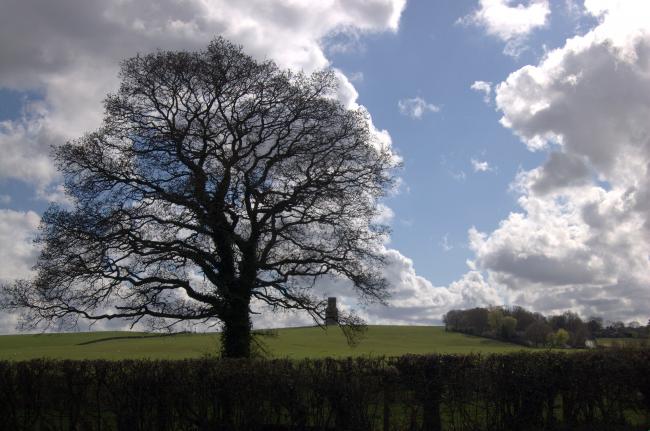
<point x="291" y="342"/>
<point x="623" y="342"/>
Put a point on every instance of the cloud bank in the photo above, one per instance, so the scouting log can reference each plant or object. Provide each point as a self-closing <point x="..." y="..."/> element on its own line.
<point x="71" y="50"/>
<point x="582" y="238"/>
<point x="69" y="54"/>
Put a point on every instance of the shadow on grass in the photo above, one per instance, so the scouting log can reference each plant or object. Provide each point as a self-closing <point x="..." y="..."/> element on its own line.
<point x="129" y="337"/>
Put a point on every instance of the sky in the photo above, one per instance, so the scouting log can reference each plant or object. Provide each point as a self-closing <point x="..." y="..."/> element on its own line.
<point x="522" y="126"/>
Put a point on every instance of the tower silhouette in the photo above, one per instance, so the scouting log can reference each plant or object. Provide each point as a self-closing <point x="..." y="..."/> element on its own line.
<point x="331" y="312"/>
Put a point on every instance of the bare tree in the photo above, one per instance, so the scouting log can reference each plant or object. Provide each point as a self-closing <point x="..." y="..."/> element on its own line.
<point x="216" y="182"/>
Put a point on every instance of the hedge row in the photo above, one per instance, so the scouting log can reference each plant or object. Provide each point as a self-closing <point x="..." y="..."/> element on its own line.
<point x="606" y="390"/>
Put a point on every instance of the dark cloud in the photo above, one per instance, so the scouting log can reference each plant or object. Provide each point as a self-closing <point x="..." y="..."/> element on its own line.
<point x="561" y="170"/>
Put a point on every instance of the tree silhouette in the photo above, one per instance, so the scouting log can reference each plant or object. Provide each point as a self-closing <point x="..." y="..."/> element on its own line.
<point x="215" y="183"/>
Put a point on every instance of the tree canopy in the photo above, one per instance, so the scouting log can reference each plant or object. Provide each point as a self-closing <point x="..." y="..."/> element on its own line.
<point x="216" y="182"/>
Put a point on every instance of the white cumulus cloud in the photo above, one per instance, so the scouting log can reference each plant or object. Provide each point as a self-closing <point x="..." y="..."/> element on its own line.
<point x="17" y="253"/>
<point x="71" y="50"/>
<point x="481" y="166"/>
<point x="416" y="107"/>
<point x="509" y="20"/>
<point x="483" y="87"/>
<point x="581" y="239"/>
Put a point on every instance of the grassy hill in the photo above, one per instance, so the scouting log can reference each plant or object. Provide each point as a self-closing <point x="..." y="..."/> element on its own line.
<point x="289" y="342"/>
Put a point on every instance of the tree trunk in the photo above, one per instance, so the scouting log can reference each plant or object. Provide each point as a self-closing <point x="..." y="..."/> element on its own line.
<point x="236" y="335"/>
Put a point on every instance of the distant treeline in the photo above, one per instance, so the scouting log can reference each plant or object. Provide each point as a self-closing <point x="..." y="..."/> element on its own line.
<point x="589" y="390"/>
<point x="516" y="324"/>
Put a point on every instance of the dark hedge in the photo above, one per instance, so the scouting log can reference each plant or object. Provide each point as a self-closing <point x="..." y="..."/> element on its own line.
<point x="598" y="390"/>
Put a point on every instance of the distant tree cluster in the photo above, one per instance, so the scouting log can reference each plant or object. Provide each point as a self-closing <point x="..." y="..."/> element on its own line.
<point x="516" y="324"/>
<point x="618" y="329"/>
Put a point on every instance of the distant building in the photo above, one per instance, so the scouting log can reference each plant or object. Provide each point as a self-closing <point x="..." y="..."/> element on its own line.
<point x="331" y="312"/>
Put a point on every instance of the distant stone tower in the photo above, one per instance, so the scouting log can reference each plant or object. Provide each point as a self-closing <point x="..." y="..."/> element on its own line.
<point x="331" y="312"/>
